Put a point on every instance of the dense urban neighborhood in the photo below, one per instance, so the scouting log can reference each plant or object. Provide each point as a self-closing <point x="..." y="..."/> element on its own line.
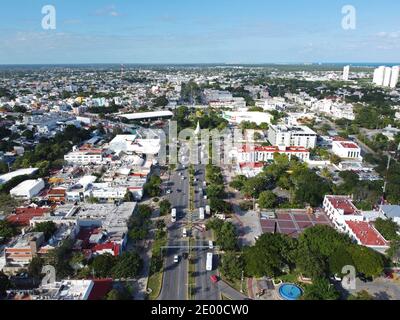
<point x="211" y="182"/>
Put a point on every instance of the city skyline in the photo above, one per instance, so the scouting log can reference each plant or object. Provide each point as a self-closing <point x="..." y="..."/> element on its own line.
<point x="189" y="33"/>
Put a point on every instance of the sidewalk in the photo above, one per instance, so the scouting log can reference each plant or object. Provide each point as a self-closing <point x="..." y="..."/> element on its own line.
<point x="144" y="248"/>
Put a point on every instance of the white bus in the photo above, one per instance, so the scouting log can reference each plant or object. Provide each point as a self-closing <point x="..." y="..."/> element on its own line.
<point x="173" y="215"/>
<point x="201" y="214"/>
<point x="209" y="263"/>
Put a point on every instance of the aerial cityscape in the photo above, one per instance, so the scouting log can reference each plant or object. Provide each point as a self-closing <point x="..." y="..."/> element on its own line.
<point x="126" y="176"/>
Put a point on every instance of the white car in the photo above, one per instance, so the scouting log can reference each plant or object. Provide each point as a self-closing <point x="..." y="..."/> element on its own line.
<point x="169" y="192"/>
<point x="176" y="259"/>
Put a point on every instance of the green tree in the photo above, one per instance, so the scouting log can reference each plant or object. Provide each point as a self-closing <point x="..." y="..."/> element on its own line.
<point x="129" y="197"/>
<point x="267" y="200"/>
<point x="103" y="265"/>
<point x="323" y="239"/>
<point x="165" y="207"/>
<point x="7" y="230"/>
<point x="227" y="237"/>
<point x="339" y="258"/>
<point x="119" y="294"/>
<point x="321" y="289"/>
<point x="35" y="267"/>
<point x="232" y="265"/>
<point x="128" y="265"/>
<point x="48" y="228"/>
<point x="270" y="255"/>
<point x="3" y="167"/>
<point x="215" y="191"/>
<point x="388" y="228"/>
<point x="5" y="284"/>
<point x="59" y="259"/>
<point x="367" y="261"/>
<point x="311" y="264"/>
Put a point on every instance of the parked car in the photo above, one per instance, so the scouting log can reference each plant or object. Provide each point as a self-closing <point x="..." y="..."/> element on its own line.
<point x="214" y="279"/>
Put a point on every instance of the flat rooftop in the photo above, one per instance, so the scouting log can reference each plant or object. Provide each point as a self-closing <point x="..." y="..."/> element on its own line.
<point x="147" y="115"/>
<point x="293" y="222"/>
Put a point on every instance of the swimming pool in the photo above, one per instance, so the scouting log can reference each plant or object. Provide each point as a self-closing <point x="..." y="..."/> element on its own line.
<point x="290" y="291"/>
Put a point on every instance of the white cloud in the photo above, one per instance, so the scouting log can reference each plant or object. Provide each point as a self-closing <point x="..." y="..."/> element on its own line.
<point x="108" y="11"/>
<point x="388" y="35"/>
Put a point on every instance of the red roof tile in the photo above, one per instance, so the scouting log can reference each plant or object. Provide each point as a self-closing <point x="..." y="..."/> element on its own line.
<point x="366" y="233"/>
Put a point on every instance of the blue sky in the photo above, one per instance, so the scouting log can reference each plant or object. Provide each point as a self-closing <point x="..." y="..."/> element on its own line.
<point x="206" y="31"/>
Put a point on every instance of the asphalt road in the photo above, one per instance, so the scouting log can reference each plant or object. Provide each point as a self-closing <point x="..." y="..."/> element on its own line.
<point x="175" y="279"/>
<point x="205" y="289"/>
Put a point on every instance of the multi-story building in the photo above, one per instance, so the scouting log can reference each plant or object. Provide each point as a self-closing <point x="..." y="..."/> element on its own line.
<point x="347" y="219"/>
<point x="387" y="77"/>
<point x="346" y="73"/>
<point x="251" y="154"/>
<point x="20" y="252"/>
<point x="292" y="136"/>
<point x="379" y="76"/>
<point x="395" y="76"/>
<point x="346" y="149"/>
<point x="85" y="156"/>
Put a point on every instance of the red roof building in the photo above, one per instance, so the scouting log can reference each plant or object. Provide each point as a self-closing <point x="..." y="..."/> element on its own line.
<point x="366" y="234"/>
<point x="23" y="216"/>
<point x="101" y="287"/>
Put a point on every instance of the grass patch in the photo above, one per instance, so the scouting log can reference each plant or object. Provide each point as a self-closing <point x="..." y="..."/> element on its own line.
<point x="156" y="268"/>
<point x="154" y="283"/>
<point x="291" y="277"/>
<point x="191" y="277"/>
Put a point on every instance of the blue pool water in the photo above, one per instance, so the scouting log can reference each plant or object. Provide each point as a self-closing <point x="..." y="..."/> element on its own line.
<point x="290" y="291"/>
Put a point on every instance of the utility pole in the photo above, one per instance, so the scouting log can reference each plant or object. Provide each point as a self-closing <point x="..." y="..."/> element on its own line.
<point x="241" y="284"/>
<point x="386" y="178"/>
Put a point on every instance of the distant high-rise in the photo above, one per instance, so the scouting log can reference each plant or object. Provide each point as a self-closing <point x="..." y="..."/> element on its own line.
<point x="395" y="77"/>
<point x="388" y="77"/>
<point x="379" y="76"/>
<point x="346" y="73"/>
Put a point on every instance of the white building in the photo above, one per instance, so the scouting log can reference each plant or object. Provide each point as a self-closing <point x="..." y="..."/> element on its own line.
<point x="250" y="154"/>
<point x="346" y="149"/>
<point x="346" y="73"/>
<point x="106" y="192"/>
<point x="256" y="117"/>
<point x="379" y="76"/>
<point x="387" y="77"/>
<point x="28" y="189"/>
<point x="395" y="77"/>
<point x="21" y="172"/>
<point x="131" y="144"/>
<point x="85" y="156"/>
<point x="349" y="220"/>
<point x="292" y="136"/>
